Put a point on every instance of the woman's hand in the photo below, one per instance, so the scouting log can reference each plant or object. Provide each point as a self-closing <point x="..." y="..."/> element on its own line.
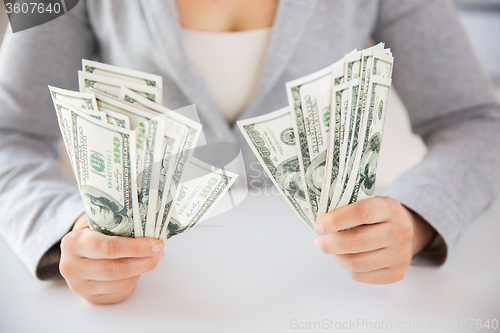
<point x="105" y="269"/>
<point x="381" y="239"/>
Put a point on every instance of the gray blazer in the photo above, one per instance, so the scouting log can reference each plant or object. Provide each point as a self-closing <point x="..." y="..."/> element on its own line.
<point x="451" y="102"/>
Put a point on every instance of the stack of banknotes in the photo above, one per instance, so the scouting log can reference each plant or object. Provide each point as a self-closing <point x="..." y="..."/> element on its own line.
<point x="132" y="157"/>
<point x="321" y="151"/>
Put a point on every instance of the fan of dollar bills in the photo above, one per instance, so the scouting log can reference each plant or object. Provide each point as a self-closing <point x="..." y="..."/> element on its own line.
<point x="132" y="157"/>
<point x="321" y="151"/>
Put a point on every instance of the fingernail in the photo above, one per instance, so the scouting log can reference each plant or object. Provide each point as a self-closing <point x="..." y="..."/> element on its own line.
<point x="319" y="229"/>
<point x="161" y="254"/>
<point x="157" y="248"/>
<point x="316" y="242"/>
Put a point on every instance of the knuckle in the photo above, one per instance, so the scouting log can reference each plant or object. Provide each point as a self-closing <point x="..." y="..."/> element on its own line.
<point x="339" y="260"/>
<point x="67" y="242"/>
<point x="153" y="262"/>
<point x="328" y="218"/>
<point x="129" y="292"/>
<point x="107" y="246"/>
<point x="365" y="209"/>
<point x="354" y="265"/>
<point x="65" y="268"/>
<point x="399" y="275"/>
<point x="357" y="243"/>
<point x="356" y="276"/>
<point x="406" y="253"/>
<point x="324" y="246"/>
<point x="393" y="204"/>
<point x="407" y="229"/>
<point x="138" y="248"/>
<point x="127" y="285"/>
<point x="405" y="232"/>
<point x="75" y="288"/>
<point x="116" y="271"/>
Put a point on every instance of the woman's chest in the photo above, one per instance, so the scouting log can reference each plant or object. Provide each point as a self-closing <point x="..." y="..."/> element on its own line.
<point x="226" y="15"/>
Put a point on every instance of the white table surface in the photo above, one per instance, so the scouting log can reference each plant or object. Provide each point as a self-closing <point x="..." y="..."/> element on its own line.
<point x="255" y="269"/>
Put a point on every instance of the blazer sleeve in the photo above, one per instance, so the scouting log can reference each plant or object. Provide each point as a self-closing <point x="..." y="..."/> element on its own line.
<point x="452" y="105"/>
<point x="38" y="202"/>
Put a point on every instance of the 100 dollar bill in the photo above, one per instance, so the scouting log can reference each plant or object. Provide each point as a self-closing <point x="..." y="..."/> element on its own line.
<point x="103" y="160"/>
<point x="374" y="66"/>
<point x="196" y="197"/>
<point x="311" y="100"/>
<point x="187" y="132"/>
<point x="377" y="94"/>
<point x="111" y="86"/>
<point x="150" y="128"/>
<point x="274" y="143"/>
<point x="80" y="100"/>
<point x="124" y="74"/>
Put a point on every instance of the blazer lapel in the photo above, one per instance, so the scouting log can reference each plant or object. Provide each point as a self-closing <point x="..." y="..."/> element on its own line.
<point x="290" y="22"/>
<point x="163" y="21"/>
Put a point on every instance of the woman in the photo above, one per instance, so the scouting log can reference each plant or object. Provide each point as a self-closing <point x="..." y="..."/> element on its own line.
<point x="231" y="58"/>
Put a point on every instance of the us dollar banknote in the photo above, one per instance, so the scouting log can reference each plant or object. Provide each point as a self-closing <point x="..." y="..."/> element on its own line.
<point x="272" y="139"/>
<point x="65" y="121"/>
<point x="335" y="154"/>
<point x="111" y="86"/>
<point x="185" y="154"/>
<point x="345" y="98"/>
<point x="187" y="131"/>
<point x="358" y="142"/>
<point x="356" y="127"/>
<point x="150" y="129"/>
<point x="377" y="99"/>
<point x="79" y="100"/>
<point x="103" y="156"/>
<point x="129" y="154"/>
<point x="196" y="197"/>
<point x="310" y="97"/>
<point x="123" y="74"/>
<point x="337" y="118"/>
<point x="117" y="119"/>
<point x="170" y="150"/>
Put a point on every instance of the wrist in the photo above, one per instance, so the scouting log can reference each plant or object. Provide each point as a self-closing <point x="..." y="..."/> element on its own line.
<point x="423" y="232"/>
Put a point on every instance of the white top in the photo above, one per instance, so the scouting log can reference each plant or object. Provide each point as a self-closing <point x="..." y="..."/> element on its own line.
<point x="230" y="63"/>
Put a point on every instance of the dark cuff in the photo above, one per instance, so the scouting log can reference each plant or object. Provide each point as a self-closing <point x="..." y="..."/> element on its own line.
<point x="48" y="266"/>
<point x="434" y="254"/>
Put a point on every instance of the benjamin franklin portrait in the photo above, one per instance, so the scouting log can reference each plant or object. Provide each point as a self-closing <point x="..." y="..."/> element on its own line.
<point x="105" y="214"/>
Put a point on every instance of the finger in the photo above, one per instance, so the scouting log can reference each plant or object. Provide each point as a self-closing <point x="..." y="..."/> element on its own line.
<point x="360" y="239"/>
<point x="81" y="222"/>
<point x="382" y="276"/>
<point x="115" y="269"/>
<point x="108" y="298"/>
<point x="95" y="245"/>
<point x="93" y="288"/>
<point x="371" y="261"/>
<point x="367" y="211"/>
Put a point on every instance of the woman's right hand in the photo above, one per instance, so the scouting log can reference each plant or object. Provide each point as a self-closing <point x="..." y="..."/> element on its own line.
<point x="105" y="269"/>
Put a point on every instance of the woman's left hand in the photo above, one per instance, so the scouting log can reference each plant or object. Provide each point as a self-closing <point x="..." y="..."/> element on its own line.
<point x="381" y="239"/>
